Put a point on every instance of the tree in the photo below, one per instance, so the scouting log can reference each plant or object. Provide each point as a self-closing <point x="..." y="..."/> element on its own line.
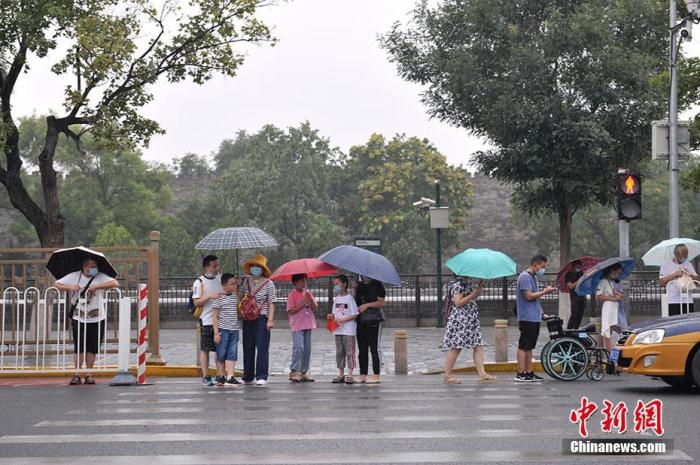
<point x="390" y="176"/>
<point x="562" y="89"/>
<point x="112" y="51"/>
<point x="281" y="181"/>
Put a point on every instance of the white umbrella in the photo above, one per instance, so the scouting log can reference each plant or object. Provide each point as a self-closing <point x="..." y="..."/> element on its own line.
<point x="663" y="251"/>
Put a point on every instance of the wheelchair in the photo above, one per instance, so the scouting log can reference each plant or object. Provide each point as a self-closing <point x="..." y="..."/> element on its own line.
<point x="571" y="353"/>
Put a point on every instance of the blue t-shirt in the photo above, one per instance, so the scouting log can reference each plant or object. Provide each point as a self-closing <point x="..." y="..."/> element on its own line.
<point x="528" y="310"/>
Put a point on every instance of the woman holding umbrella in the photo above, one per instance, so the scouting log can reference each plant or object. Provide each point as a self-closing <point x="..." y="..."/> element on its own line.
<point x="610" y="294"/>
<point x="256" y="333"/>
<point x="463" y="330"/>
<point x="84" y="274"/>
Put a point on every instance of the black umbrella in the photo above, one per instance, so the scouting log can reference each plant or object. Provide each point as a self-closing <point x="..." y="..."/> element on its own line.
<point x="66" y="261"/>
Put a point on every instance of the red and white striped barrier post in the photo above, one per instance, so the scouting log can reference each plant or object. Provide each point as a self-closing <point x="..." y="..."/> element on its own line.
<point x="143" y="334"/>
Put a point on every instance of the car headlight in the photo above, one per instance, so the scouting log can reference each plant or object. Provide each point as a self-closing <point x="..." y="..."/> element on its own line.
<point x="651" y="336"/>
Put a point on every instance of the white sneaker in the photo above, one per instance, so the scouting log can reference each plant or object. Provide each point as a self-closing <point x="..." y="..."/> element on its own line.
<point x="261" y="382"/>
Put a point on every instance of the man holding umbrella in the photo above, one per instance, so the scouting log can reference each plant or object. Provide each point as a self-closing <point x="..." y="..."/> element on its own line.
<point x="86" y="288"/>
<point x="673" y="269"/>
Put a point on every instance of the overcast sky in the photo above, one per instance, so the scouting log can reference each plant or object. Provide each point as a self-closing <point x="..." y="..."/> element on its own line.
<point x="327" y="68"/>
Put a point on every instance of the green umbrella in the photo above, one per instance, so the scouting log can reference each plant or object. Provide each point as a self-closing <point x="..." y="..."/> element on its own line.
<point x="482" y="263"/>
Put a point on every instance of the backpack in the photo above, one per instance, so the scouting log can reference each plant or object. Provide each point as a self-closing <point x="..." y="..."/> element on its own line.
<point x="250" y="310"/>
<point x="195" y="311"/>
<point x="447" y="305"/>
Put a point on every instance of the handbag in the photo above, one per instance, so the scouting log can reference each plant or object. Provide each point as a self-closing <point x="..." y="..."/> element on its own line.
<point x="71" y="312"/>
<point x="372" y="315"/>
<point x="250" y="310"/>
<point x="194" y="310"/>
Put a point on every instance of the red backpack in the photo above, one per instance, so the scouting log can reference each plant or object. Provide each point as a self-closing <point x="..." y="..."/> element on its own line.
<point x="250" y="310"/>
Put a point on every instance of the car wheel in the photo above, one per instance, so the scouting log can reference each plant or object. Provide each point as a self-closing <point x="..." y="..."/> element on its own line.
<point x="676" y="381"/>
<point x="694" y="369"/>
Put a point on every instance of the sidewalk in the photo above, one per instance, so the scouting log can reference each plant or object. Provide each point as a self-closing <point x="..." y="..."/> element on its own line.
<point x="423" y="344"/>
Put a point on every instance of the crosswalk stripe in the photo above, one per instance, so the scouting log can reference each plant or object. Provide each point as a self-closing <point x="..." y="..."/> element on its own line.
<point x="470" y="456"/>
<point x="238" y="420"/>
<point x="213" y="436"/>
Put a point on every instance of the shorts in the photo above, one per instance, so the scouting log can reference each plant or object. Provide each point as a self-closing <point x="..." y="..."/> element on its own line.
<point x="227" y="349"/>
<point x="529" y="333"/>
<point x="90" y="339"/>
<point x="206" y="339"/>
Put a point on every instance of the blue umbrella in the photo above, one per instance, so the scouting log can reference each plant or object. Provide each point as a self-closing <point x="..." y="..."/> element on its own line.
<point x="362" y="262"/>
<point x="588" y="283"/>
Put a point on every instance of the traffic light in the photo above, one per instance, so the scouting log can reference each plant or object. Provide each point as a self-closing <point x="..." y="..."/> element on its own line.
<point x="629" y="197"/>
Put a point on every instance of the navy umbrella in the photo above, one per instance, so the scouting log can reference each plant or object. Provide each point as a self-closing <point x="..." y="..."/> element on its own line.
<point x="362" y="262"/>
<point x="588" y="283"/>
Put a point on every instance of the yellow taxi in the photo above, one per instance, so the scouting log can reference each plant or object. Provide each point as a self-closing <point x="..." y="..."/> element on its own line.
<point x="667" y="348"/>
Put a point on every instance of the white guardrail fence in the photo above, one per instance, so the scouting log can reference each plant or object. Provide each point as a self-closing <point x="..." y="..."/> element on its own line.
<point x="38" y="333"/>
<point x="684" y="291"/>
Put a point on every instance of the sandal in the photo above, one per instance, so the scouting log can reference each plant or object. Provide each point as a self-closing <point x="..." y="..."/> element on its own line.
<point x="75" y="380"/>
<point x="451" y="380"/>
<point x="349" y="380"/>
<point x="89" y="380"/>
<point x="487" y="377"/>
<point x="374" y="380"/>
<point x="337" y="380"/>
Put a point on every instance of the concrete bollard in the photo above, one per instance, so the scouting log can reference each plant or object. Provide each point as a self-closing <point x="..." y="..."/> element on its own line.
<point x="501" y="330"/>
<point x="400" y="353"/>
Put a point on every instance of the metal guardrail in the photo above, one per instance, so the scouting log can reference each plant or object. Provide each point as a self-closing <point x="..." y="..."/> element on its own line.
<point x="416" y="298"/>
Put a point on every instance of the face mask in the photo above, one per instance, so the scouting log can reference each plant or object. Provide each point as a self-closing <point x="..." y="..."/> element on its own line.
<point x="209" y="275"/>
<point x="337" y="289"/>
<point x="92" y="272"/>
<point x="255" y="271"/>
<point x="540" y="272"/>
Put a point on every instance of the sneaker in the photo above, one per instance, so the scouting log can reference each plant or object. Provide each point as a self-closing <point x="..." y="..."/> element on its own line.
<point x="220" y="380"/>
<point x="206" y="381"/>
<point x="233" y="380"/>
<point x="261" y="382"/>
<point x="523" y="378"/>
<point x="75" y="380"/>
<point x="306" y="378"/>
<point x="535" y="377"/>
<point x="248" y="383"/>
<point x="89" y="380"/>
<point x="295" y="377"/>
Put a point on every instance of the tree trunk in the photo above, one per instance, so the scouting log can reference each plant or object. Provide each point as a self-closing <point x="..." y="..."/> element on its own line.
<point x="566" y="218"/>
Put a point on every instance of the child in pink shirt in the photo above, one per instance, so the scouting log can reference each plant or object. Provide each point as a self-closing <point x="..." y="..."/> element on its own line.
<point x="301" y="308"/>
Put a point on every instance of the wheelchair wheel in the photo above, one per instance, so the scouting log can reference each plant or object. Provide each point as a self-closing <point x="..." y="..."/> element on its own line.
<point x="596" y="372"/>
<point x="565" y="359"/>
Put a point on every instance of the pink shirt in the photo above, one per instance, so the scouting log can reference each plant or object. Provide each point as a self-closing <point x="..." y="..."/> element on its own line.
<point x="304" y="318"/>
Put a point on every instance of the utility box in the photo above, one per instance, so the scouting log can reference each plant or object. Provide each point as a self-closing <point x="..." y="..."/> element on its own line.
<point x="659" y="140"/>
<point x="439" y="217"/>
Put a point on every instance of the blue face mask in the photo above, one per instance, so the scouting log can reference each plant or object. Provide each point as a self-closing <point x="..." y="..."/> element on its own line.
<point x="256" y="271"/>
<point x="337" y="289"/>
<point x="92" y="272"/>
<point x="540" y="272"/>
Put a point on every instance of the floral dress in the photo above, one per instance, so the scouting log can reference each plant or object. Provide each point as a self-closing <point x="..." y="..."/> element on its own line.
<point x="463" y="330"/>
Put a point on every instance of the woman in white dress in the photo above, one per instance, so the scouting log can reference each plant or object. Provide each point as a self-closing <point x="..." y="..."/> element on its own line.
<point x="611" y="296"/>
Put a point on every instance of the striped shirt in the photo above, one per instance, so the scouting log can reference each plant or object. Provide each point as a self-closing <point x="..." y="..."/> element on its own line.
<point x="228" y="311"/>
<point x="265" y="296"/>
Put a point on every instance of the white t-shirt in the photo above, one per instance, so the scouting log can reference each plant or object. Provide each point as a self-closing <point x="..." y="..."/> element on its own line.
<point x="674" y="292"/>
<point x="344" y="306"/>
<point x="209" y="286"/>
<point x="93" y="307"/>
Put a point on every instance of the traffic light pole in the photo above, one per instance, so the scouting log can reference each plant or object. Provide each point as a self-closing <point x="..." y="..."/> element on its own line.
<point x="624" y="227"/>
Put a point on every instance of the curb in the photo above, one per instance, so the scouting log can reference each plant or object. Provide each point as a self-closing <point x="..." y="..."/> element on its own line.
<point x="176" y="371"/>
<point x="497" y="367"/>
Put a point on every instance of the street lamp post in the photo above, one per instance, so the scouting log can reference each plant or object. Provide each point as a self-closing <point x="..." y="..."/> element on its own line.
<point x="673" y="175"/>
<point x="438" y="255"/>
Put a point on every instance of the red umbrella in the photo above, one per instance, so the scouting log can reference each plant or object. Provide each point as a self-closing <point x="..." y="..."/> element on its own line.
<point x="586" y="263"/>
<point x="311" y="267"/>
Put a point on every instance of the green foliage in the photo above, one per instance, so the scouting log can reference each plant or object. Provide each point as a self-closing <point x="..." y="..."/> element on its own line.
<point x="114" y="235"/>
<point x="111" y="52"/>
<point x="562" y="89"/>
<point x="391" y="175"/>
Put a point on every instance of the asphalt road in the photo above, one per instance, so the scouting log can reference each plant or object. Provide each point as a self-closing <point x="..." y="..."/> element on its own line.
<point x="412" y="419"/>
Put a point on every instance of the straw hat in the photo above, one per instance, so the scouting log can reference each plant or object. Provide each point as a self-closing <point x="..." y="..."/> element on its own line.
<point x="258" y="260"/>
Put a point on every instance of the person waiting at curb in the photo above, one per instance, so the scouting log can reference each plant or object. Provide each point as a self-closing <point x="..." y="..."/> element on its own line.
<point x="205" y="290"/>
<point x="226" y="330"/>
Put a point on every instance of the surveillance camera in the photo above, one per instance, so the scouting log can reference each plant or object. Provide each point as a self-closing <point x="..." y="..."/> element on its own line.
<point x="426" y="201"/>
<point x="418" y="204"/>
<point x="687" y="32"/>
